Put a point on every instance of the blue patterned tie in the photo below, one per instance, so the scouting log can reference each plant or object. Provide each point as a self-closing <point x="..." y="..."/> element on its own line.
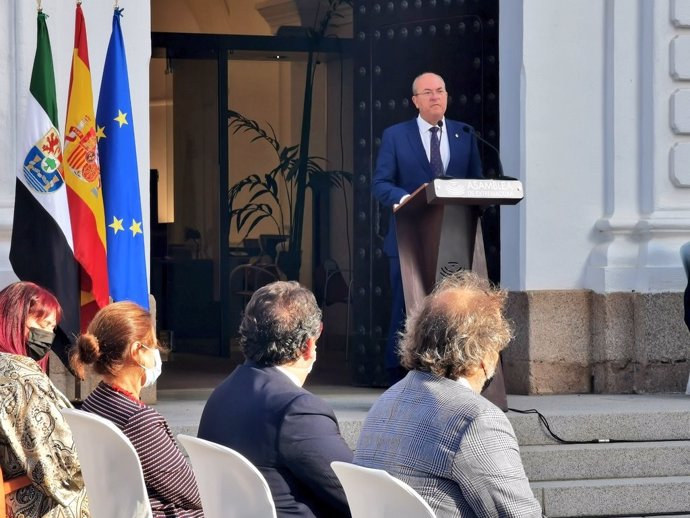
<point x="435" y="153"/>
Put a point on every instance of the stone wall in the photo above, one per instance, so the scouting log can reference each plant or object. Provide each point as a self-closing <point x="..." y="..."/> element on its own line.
<point x="578" y="341"/>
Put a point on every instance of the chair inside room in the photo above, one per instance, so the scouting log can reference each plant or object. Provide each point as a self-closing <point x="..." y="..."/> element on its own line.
<point x="110" y="466"/>
<point x="245" y="279"/>
<point x="373" y="492"/>
<point x="229" y="485"/>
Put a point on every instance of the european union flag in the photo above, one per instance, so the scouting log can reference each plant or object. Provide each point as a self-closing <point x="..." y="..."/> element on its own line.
<point x="119" y="174"/>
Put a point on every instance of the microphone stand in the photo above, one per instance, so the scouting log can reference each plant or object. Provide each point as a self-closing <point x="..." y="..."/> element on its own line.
<point x="501" y="176"/>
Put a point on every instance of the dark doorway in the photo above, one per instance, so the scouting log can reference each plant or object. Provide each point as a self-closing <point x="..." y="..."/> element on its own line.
<point x="193" y="249"/>
<point x="394" y="42"/>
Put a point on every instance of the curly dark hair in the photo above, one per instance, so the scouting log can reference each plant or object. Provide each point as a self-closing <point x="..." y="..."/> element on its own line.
<point x="277" y="322"/>
<point x="455" y="326"/>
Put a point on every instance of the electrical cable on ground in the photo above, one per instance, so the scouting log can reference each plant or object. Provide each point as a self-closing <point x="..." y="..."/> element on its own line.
<point x="545" y="423"/>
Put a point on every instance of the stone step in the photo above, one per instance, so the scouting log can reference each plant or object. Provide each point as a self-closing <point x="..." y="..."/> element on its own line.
<point x="614" y="497"/>
<point x="603" y="461"/>
<point x="584" y="479"/>
<point x="633" y="417"/>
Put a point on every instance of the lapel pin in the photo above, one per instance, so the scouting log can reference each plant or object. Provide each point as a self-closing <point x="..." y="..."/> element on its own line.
<point x="457" y="136"/>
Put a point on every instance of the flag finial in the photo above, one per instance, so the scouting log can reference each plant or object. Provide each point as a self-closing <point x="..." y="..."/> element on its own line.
<point x="39" y="6"/>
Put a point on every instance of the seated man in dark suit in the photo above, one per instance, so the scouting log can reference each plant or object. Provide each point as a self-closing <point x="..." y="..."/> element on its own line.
<point x="433" y="429"/>
<point x="262" y="411"/>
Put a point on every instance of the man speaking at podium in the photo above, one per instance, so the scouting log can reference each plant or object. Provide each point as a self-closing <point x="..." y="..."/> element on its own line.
<point x="413" y="153"/>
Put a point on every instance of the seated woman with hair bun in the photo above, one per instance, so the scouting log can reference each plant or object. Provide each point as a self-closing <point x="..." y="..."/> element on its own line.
<point x="120" y="345"/>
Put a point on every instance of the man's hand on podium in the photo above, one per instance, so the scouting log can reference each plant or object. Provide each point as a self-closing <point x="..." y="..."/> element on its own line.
<point x="402" y="200"/>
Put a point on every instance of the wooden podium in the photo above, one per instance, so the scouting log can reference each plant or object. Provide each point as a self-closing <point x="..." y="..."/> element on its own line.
<point x="438" y="234"/>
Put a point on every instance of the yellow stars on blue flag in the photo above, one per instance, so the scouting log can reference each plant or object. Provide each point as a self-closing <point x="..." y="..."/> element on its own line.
<point x="135" y="228"/>
<point x="100" y="133"/>
<point x="121" y="118"/>
<point x="116" y="225"/>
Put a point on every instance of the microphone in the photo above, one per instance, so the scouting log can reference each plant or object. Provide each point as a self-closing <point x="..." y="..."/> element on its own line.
<point x="471" y="131"/>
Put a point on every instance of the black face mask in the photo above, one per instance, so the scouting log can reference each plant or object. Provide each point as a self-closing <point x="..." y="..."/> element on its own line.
<point x="39" y="343"/>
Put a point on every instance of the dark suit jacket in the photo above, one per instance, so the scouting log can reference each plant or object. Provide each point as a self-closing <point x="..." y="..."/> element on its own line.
<point x="402" y="165"/>
<point x="288" y="433"/>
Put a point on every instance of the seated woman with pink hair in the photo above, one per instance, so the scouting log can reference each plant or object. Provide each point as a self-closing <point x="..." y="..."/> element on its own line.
<point x="36" y="447"/>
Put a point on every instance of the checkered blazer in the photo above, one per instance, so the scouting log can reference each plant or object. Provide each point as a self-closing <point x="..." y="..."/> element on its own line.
<point x="454" y="447"/>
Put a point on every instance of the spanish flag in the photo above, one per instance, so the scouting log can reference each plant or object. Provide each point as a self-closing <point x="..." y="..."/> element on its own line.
<point x="41" y="250"/>
<point x="83" y="178"/>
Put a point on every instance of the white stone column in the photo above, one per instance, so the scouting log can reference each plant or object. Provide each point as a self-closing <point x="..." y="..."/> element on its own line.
<point x="594" y="122"/>
<point x="648" y="214"/>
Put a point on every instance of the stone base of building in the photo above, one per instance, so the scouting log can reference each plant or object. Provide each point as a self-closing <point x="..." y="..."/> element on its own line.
<point x="569" y="342"/>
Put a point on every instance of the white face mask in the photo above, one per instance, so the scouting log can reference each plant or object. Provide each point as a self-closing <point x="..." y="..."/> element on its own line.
<point x="152" y="373"/>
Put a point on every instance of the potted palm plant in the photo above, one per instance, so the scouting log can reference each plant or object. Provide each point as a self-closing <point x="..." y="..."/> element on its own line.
<point x="279" y="194"/>
<point x="274" y="195"/>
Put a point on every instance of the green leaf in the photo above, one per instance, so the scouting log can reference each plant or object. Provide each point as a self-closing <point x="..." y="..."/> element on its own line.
<point x="272" y="185"/>
<point x="259" y="194"/>
<point x="256" y="222"/>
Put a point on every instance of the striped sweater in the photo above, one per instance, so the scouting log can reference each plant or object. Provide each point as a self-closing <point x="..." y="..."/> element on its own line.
<point x="169" y="479"/>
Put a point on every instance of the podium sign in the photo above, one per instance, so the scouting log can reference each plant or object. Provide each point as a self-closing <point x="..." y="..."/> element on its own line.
<point x="474" y="192"/>
<point x="438" y="232"/>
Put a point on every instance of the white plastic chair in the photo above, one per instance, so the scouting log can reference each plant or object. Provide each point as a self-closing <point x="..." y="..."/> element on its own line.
<point x="229" y="485"/>
<point x="110" y="466"/>
<point x="373" y="493"/>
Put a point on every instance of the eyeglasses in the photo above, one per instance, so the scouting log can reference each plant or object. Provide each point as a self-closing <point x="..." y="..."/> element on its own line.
<point x="429" y="93"/>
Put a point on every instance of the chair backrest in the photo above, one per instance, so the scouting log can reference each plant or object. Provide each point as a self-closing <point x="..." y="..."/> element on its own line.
<point x="229" y="485"/>
<point x="10" y="486"/>
<point x="110" y="466"/>
<point x="253" y="277"/>
<point x="375" y="493"/>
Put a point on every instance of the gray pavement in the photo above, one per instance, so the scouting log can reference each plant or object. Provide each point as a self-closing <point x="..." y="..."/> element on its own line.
<point x="182" y="407"/>
<point x="572" y="413"/>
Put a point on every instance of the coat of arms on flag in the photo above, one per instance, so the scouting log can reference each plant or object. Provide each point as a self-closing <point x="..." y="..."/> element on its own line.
<point x="42" y="164"/>
<point x="83" y="155"/>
